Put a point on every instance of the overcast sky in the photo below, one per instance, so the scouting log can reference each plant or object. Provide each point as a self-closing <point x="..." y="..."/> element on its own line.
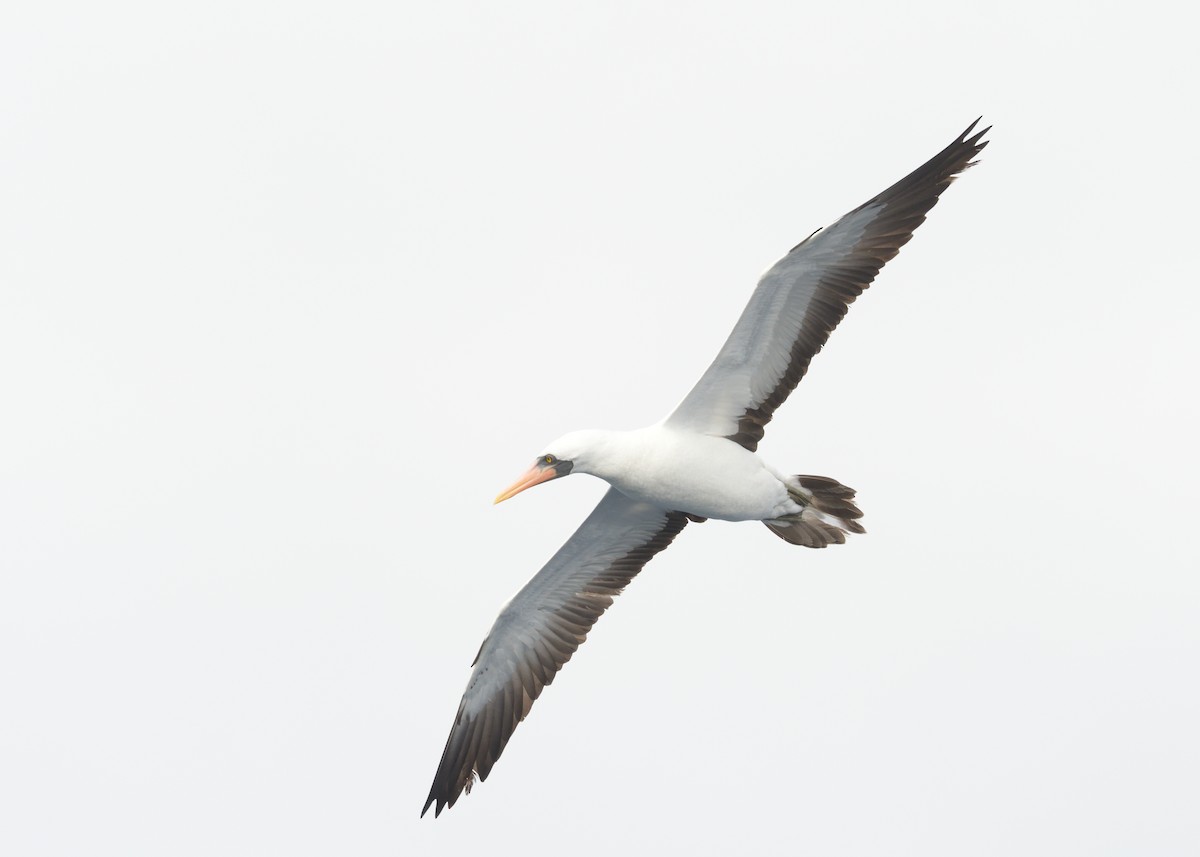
<point x="288" y="292"/>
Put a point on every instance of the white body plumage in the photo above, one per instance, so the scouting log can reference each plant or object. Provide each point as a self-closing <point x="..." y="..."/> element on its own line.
<point x="709" y="477"/>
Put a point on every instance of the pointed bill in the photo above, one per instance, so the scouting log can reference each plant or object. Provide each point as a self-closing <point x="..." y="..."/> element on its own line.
<point x="536" y="475"/>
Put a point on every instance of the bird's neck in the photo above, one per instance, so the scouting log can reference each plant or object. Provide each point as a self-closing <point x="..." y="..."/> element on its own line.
<point x="608" y="454"/>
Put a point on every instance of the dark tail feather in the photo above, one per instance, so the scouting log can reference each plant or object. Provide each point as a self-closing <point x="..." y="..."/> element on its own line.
<point x="829" y="513"/>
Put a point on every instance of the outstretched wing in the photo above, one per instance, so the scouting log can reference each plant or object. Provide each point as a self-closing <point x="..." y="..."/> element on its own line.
<point x="799" y="302"/>
<point x="539" y="630"/>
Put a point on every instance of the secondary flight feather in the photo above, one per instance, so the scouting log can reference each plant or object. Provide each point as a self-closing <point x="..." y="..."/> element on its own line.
<point x="700" y="462"/>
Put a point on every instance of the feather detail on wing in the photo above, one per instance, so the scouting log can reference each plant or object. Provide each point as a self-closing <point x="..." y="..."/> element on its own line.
<point x="800" y="300"/>
<point x="540" y="629"/>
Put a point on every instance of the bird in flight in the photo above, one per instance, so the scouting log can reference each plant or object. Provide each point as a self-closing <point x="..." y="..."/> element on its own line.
<point x="700" y="462"/>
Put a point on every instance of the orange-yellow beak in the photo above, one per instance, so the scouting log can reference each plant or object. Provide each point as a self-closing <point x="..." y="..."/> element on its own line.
<point x="536" y="475"/>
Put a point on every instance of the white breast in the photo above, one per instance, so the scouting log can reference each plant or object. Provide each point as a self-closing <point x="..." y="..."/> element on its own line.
<point x="687" y="472"/>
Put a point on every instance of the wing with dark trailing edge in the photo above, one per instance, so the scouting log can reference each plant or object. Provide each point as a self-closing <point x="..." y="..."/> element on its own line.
<point x="539" y="630"/>
<point x="799" y="302"/>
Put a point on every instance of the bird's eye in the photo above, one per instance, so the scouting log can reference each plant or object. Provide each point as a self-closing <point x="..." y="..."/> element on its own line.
<point x="549" y="459"/>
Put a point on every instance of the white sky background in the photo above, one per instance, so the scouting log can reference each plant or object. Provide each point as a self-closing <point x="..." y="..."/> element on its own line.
<point x="289" y="292"/>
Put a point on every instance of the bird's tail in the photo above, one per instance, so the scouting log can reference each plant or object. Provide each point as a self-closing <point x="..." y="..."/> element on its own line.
<point x="829" y="513"/>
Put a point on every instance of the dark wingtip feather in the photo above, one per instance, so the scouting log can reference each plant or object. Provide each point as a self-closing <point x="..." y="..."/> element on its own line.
<point x="973" y="142"/>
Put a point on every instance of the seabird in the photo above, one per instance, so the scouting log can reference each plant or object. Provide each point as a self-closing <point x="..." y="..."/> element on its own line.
<point x="700" y="462"/>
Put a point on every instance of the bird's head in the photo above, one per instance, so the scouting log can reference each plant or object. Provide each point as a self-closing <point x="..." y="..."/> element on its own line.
<point x="570" y="453"/>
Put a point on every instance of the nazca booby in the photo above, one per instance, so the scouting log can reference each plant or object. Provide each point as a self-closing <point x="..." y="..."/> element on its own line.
<point x="699" y="462"/>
